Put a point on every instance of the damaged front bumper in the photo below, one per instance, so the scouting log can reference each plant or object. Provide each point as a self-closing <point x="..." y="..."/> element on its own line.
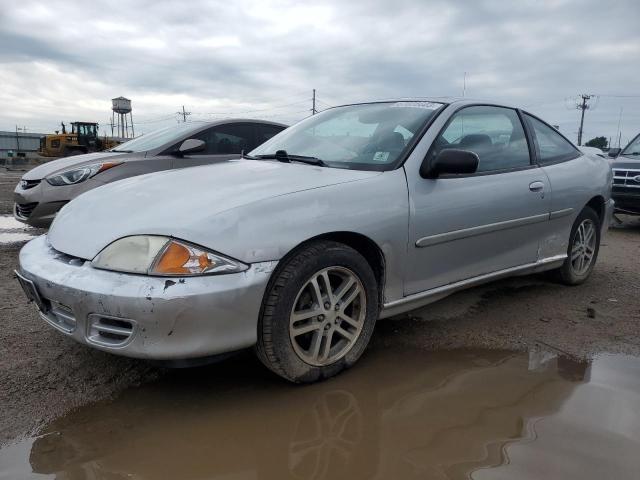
<point x="143" y="316"/>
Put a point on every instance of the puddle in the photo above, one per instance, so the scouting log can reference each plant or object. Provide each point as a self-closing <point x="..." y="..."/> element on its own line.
<point x="445" y="415"/>
<point x="13" y="231"/>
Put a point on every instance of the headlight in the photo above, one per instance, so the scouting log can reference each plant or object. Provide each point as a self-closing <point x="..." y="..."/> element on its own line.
<point x="77" y="175"/>
<point x="154" y="255"/>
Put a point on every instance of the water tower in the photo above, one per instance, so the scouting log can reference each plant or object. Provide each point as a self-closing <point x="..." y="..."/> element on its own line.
<point x="121" y="107"/>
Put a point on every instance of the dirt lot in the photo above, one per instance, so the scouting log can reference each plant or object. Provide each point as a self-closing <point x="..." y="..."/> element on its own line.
<point x="8" y="181"/>
<point x="43" y="374"/>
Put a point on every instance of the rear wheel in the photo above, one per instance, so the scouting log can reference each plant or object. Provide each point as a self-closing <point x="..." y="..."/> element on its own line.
<point x="319" y="313"/>
<point x="584" y="244"/>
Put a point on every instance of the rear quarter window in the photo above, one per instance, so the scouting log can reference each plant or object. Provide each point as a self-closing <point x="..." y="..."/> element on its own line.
<point x="551" y="147"/>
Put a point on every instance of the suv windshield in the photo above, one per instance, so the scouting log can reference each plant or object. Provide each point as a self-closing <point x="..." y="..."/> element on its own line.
<point x="363" y="137"/>
<point x="633" y="148"/>
<point x="157" y="138"/>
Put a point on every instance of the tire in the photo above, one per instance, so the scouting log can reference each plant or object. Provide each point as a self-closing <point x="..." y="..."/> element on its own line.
<point x="291" y="306"/>
<point x="569" y="273"/>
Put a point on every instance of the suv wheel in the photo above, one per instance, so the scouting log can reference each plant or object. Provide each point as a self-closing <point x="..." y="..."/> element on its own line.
<point x="318" y="314"/>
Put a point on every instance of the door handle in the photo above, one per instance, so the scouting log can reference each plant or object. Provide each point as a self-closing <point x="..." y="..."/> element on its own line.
<point x="536" y="187"/>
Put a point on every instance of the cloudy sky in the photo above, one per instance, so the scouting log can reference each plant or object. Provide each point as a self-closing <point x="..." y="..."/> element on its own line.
<point x="65" y="60"/>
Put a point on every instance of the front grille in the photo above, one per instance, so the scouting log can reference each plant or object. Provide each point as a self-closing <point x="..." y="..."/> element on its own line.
<point x="626" y="178"/>
<point x="27" y="184"/>
<point x="24" y="210"/>
<point x="109" y="331"/>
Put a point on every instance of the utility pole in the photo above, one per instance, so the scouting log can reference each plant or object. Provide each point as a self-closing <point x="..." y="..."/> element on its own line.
<point x="464" y="85"/>
<point x="17" y="140"/>
<point x="184" y="114"/>
<point x="313" y="106"/>
<point x="582" y="106"/>
<point x="619" y="127"/>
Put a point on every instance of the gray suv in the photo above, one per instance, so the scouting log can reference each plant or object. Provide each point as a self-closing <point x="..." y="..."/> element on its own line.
<point x="45" y="189"/>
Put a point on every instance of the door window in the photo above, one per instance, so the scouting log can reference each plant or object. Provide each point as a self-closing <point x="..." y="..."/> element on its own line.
<point x="265" y="132"/>
<point x="226" y="139"/>
<point x="551" y="147"/>
<point x="495" y="134"/>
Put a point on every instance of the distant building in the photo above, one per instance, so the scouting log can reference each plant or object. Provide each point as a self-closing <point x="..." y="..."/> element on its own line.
<point x="21" y="144"/>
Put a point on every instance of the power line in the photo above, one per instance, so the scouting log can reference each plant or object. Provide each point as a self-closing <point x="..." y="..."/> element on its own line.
<point x="255" y="110"/>
<point x="159" y="119"/>
<point x="619" y="96"/>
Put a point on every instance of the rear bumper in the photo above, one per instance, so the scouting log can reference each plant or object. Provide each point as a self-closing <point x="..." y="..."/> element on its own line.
<point x="142" y="316"/>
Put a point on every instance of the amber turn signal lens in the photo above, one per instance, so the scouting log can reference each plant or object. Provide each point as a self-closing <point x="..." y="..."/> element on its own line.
<point x="174" y="259"/>
<point x="204" y="261"/>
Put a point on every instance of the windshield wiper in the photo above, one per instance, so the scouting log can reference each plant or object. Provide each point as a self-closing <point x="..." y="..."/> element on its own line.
<point x="121" y="151"/>
<point x="283" y="156"/>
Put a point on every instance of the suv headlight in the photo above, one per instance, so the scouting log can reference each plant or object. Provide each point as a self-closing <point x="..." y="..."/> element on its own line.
<point x="163" y="256"/>
<point x="77" y="175"/>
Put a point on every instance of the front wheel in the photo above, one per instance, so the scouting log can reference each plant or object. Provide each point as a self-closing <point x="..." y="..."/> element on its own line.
<point x="319" y="313"/>
<point x="584" y="244"/>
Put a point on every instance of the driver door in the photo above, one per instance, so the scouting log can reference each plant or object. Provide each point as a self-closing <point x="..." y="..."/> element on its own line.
<point x="465" y="226"/>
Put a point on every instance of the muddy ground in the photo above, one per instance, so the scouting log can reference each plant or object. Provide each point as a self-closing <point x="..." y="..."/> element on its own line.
<point x="44" y="374"/>
<point x="8" y="181"/>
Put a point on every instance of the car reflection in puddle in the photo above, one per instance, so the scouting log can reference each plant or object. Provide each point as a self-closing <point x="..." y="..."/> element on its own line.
<point x="459" y="414"/>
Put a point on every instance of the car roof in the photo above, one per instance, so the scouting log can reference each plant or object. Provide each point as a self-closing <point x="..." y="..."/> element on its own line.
<point x="444" y="100"/>
<point x="224" y="121"/>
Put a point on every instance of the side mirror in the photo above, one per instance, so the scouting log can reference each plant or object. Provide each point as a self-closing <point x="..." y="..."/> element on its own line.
<point x="190" y="145"/>
<point x="450" y="161"/>
<point x="614" y="152"/>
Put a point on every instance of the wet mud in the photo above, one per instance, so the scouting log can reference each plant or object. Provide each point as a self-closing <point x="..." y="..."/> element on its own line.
<point x="412" y="414"/>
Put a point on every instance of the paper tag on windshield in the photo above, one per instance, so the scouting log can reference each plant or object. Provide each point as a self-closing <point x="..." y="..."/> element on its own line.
<point x="427" y="105"/>
<point x="380" y="156"/>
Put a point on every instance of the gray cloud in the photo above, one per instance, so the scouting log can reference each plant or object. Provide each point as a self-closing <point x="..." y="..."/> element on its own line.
<point x="65" y="60"/>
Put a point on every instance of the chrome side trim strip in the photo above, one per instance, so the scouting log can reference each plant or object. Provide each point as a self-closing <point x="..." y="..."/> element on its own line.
<point x="479" y="230"/>
<point x="560" y="213"/>
<point x="428" y="296"/>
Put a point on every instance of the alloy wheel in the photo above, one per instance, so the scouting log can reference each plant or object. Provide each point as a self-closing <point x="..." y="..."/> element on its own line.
<point x="584" y="247"/>
<point x="327" y="316"/>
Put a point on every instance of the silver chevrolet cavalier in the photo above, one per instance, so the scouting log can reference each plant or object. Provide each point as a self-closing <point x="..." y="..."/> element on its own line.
<point x="358" y="213"/>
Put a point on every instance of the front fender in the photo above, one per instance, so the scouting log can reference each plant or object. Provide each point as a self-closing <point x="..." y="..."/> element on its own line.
<point x="376" y="207"/>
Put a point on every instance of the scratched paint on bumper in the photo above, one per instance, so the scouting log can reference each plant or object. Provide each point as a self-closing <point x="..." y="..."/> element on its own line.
<point x="174" y="318"/>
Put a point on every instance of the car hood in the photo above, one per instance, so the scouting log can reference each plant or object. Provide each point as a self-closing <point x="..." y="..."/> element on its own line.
<point x="62" y="164"/>
<point x="622" y="161"/>
<point x="180" y="203"/>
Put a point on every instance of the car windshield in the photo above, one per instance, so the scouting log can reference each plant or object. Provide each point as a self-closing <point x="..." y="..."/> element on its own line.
<point x="633" y="148"/>
<point x="157" y="138"/>
<point x="363" y="137"/>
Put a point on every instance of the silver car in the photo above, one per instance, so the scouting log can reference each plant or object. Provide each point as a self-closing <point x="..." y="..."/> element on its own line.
<point x="358" y="213"/>
<point x="46" y="188"/>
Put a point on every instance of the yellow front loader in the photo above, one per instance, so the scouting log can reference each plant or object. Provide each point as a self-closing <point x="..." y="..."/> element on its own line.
<point x="83" y="138"/>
